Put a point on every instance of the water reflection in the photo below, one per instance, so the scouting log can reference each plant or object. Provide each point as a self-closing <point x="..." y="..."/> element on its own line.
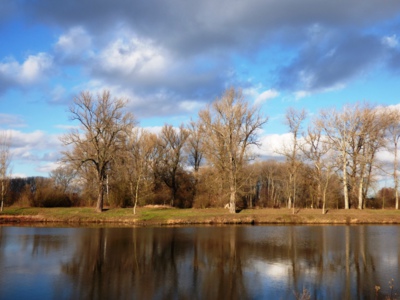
<point x="331" y="262"/>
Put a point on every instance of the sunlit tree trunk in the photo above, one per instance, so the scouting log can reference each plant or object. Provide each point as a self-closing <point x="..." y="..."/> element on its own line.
<point x="100" y="197"/>
<point x="345" y="187"/>
<point x="394" y="131"/>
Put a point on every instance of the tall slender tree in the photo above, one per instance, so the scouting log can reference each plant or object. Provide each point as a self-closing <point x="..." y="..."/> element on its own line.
<point x="5" y="158"/>
<point x="394" y="137"/>
<point x="138" y="158"/>
<point x="104" y="127"/>
<point x="230" y="126"/>
<point x="294" y="120"/>
<point x="337" y="127"/>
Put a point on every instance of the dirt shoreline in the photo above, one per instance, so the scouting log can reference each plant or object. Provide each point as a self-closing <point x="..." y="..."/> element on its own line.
<point x="172" y="216"/>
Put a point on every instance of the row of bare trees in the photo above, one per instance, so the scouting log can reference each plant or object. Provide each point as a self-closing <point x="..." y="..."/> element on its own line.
<point x="346" y="144"/>
<point x="329" y="161"/>
<point x="165" y="165"/>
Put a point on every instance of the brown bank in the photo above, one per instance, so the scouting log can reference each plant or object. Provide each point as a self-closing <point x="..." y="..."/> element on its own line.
<point x="161" y="215"/>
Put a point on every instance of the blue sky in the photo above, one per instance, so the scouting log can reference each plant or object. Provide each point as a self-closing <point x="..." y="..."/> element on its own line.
<point x="171" y="58"/>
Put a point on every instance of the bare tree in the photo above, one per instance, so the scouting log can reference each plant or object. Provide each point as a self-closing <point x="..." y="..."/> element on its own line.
<point x="230" y="127"/>
<point x="63" y="177"/>
<point x="5" y="158"/>
<point x="373" y="133"/>
<point x="271" y="172"/>
<point x="102" y="134"/>
<point x="294" y="120"/>
<point x="194" y="145"/>
<point x="315" y="150"/>
<point x="337" y="127"/>
<point x="194" y="148"/>
<point x="394" y="138"/>
<point x="357" y="134"/>
<point x="172" y="142"/>
<point x="140" y="150"/>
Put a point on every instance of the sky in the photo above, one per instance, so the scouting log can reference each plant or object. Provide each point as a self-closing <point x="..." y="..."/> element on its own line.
<point x="171" y="58"/>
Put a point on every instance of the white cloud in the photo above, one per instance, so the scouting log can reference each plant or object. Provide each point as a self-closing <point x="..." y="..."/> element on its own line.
<point x="34" y="67"/>
<point x="266" y="95"/>
<point x="301" y="94"/>
<point x="75" y="40"/>
<point x="153" y="129"/>
<point x="33" y="70"/>
<point x="190" y="106"/>
<point x="22" y="139"/>
<point x="395" y="107"/>
<point x="306" y="93"/>
<point x="273" y="144"/>
<point x="132" y="56"/>
<point x="75" y="45"/>
<point x="47" y="168"/>
<point x="36" y="145"/>
<point x="385" y="156"/>
<point x="37" y="150"/>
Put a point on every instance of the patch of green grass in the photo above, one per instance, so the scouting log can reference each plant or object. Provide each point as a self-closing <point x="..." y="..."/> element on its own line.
<point x="168" y="215"/>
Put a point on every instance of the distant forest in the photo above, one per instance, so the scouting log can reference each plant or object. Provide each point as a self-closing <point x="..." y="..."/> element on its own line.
<point x="332" y="163"/>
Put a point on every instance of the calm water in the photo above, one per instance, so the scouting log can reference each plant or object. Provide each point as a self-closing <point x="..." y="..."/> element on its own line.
<point x="233" y="262"/>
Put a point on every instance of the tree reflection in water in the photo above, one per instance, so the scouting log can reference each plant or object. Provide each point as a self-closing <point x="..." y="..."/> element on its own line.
<point x="232" y="262"/>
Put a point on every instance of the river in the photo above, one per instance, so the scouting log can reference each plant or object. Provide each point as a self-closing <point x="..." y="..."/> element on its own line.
<point x="216" y="262"/>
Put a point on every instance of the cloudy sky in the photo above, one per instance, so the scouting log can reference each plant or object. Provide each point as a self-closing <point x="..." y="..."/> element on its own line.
<point x="171" y="58"/>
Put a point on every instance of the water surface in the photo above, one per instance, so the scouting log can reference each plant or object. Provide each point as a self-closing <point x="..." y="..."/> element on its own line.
<point x="227" y="262"/>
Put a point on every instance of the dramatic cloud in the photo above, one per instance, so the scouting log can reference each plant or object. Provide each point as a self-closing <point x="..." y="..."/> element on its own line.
<point x="191" y="26"/>
<point x="35" y="69"/>
<point x="131" y="60"/>
<point x="169" y="58"/>
<point x="74" y="46"/>
<point x="324" y="64"/>
<point x="187" y="49"/>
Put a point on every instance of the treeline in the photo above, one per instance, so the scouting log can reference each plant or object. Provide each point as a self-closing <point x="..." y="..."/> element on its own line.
<point x="330" y="163"/>
<point x="266" y="187"/>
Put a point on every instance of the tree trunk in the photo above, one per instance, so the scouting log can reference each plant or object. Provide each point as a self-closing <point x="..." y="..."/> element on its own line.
<point x="2" y="194"/>
<point x="232" y="194"/>
<point x="232" y="200"/>
<point x="360" y="194"/>
<point x="345" y="189"/>
<point x="395" y="177"/>
<point x="174" y="190"/>
<point x="100" y="197"/>
<point x="232" y="189"/>
<point x="294" y="194"/>
<point x="136" y="194"/>
<point x="133" y="199"/>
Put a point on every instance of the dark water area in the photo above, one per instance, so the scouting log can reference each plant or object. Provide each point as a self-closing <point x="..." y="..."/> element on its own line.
<point x="229" y="262"/>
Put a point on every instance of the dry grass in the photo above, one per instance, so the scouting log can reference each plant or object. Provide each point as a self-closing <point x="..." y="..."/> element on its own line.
<point x="164" y="215"/>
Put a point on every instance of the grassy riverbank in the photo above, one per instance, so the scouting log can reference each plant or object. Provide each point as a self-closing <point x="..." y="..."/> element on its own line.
<point x="173" y="216"/>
